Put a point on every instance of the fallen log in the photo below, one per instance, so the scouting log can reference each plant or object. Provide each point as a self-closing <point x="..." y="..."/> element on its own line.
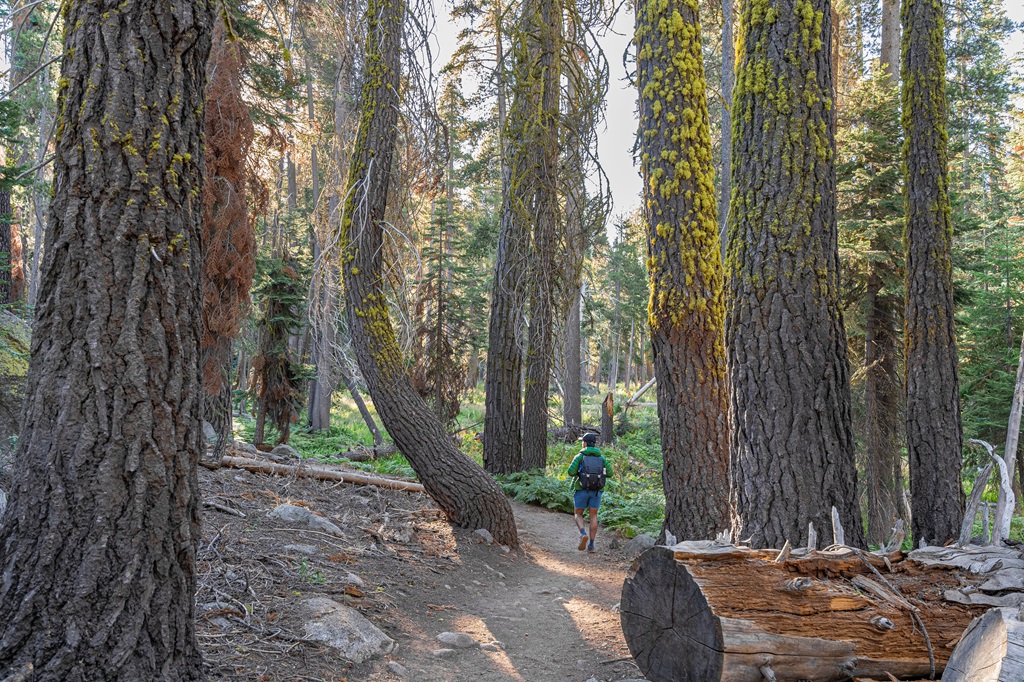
<point x="707" y="611"/>
<point x="259" y="467"/>
<point x="991" y="650"/>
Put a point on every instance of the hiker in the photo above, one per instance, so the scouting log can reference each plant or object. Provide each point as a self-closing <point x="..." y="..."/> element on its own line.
<point x="589" y="470"/>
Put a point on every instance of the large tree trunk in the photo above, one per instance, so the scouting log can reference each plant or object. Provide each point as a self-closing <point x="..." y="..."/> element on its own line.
<point x="934" y="431"/>
<point x="98" y="546"/>
<point x="707" y="611"/>
<point x="544" y="82"/>
<point x="686" y="311"/>
<point x="792" y="438"/>
<point x="468" y="496"/>
<point x="229" y="241"/>
<point x="6" y="221"/>
<point x="890" y="51"/>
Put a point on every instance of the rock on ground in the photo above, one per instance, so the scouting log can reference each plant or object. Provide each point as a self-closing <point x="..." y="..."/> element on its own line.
<point x="397" y="668"/>
<point x="484" y="535"/>
<point x="444" y="653"/>
<point x="639" y="545"/>
<point x="294" y="514"/>
<point x="286" y="451"/>
<point x="457" y="640"/>
<point x="308" y="550"/>
<point x="345" y="629"/>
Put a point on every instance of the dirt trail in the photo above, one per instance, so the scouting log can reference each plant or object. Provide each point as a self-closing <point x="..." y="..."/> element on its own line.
<point x="552" y="608"/>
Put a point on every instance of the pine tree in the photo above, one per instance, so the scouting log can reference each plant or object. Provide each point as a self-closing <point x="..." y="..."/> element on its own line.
<point x="792" y="449"/>
<point x="98" y="545"/>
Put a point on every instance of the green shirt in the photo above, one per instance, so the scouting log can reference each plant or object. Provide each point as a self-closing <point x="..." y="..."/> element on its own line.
<point x="574" y="468"/>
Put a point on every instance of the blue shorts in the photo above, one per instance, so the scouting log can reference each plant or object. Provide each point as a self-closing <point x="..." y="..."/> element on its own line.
<point x="583" y="499"/>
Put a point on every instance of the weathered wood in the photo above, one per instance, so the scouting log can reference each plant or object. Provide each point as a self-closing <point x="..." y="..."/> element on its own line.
<point x="971" y="511"/>
<point x="707" y="611"/>
<point x="607" y="426"/>
<point x="991" y="650"/>
<point x="322" y="474"/>
<point x="1004" y="512"/>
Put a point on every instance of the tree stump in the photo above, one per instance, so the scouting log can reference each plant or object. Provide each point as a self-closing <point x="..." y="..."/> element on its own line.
<point x="991" y="650"/>
<point x="607" y="426"/>
<point x="707" y="611"/>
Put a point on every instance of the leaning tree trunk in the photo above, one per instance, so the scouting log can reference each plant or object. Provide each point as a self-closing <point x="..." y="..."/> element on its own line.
<point x="686" y="311"/>
<point x="98" y="546"/>
<point x="934" y="431"/>
<point x="792" y="449"/>
<point x="708" y="612"/>
<point x="543" y="82"/>
<point x="465" y="493"/>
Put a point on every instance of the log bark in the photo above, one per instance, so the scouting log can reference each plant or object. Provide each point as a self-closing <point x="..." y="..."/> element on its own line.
<point x="259" y="467"/>
<point x="708" y="611"/>
<point x="991" y="650"/>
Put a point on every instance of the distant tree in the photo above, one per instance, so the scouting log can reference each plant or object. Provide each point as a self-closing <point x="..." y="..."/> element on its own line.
<point x="229" y="242"/>
<point x="792" y="448"/>
<point x="934" y="430"/>
<point x="98" y="545"/>
<point x="468" y="496"/>
<point x="687" y="307"/>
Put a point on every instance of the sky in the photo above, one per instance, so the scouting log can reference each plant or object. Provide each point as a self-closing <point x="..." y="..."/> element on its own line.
<point x="615" y="138"/>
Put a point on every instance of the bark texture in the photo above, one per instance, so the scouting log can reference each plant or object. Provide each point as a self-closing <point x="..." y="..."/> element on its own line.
<point x="6" y="228"/>
<point x="934" y="431"/>
<point x="97" y="549"/>
<point x="687" y="309"/>
<point x="792" y="449"/>
<point x="229" y="242"/>
<point x="468" y="496"/>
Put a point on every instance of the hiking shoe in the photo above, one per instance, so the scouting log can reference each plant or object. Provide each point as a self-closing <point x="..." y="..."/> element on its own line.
<point x="590" y="547"/>
<point x="583" y="542"/>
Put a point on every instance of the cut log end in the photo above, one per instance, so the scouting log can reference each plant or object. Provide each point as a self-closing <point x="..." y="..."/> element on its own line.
<point x="658" y="594"/>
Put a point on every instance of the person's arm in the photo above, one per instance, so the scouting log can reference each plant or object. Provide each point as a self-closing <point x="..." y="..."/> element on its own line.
<point x="607" y="467"/>
<point x="574" y="468"/>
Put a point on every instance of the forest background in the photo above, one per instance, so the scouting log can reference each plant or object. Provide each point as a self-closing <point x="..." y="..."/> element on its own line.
<point x="290" y="374"/>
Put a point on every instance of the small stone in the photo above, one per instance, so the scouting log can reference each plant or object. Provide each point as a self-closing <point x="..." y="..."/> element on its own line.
<point x="353" y="579"/>
<point x="397" y="668"/>
<point x="488" y="647"/>
<point x="504" y="549"/>
<point x="592" y="679"/>
<point x="285" y="450"/>
<point x="457" y="640"/>
<point x="294" y="514"/>
<point x="616" y="608"/>
<point x="445" y="653"/>
<point x="484" y="535"/>
<point x="500" y="645"/>
<point x="222" y="623"/>
<point x="308" y="550"/>
<point x="614" y="543"/>
<point x="581" y="664"/>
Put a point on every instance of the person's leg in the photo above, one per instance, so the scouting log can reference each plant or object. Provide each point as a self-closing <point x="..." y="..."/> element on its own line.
<point x="593" y="526"/>
<point x="579" y="504"/>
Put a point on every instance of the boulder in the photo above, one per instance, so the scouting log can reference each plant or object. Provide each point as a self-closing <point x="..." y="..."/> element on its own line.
<point x="345" y="629"/>
<point x="245" y="449"/>
<point x="484" y="535"/>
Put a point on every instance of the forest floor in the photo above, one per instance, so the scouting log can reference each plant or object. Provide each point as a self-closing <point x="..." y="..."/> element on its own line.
<point x="547" y="613"/>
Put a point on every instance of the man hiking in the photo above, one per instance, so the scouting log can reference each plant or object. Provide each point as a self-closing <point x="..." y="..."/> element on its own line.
<point x="589" y="470"/>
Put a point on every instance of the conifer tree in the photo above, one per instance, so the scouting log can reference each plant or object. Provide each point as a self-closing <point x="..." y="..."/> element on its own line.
<point x="792" y="448"/>
<point x="934" y="431"/>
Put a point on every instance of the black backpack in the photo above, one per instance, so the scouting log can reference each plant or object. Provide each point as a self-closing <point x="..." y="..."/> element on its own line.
<point x="592" y="473"/>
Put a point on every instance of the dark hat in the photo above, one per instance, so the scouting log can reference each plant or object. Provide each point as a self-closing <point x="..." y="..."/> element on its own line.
<point x="589" y="438"/>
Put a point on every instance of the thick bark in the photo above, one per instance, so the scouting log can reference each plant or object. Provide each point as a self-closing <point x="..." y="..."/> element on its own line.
<point x="883" y="470"/>
<point x="97" y="550"/>
<point x="934" y="431"/>
<point x="468" y="496"/>
<point x="686" y="310"/>
<point x="792" y="449"/>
